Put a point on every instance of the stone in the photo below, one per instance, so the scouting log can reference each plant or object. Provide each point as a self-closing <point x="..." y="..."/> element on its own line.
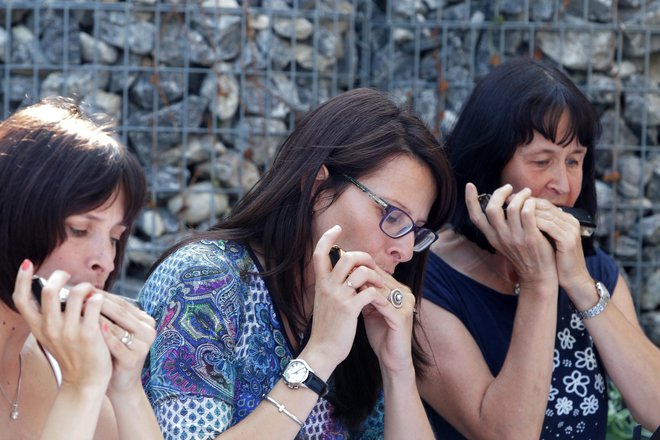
<point x="108" y="103"/>
<point x="96" y="51"/>
<point x="201" y="201"/>
<point x="222" y="91"/>
<point x="75" y="83"/>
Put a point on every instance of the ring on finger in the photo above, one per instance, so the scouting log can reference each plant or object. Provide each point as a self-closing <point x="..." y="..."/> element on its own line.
<point x="349" y="284"/>
<point x="127" y="338"/>
<point x="395" y="297"/>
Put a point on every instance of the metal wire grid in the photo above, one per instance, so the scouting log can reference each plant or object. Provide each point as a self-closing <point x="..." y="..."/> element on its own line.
<point x="365" y="20"/>
<point x="494" y="34"/>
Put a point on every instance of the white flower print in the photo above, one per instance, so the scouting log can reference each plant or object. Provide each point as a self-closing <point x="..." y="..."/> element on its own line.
<point x="586" y="359"/>
<point x="549" y="412"/>
<point x="577" y="383"/>
<point x="576" y="322"/>
<point x="599" y="383"/>
<point x="564" y="405"/>
<point x="555" y="360"/>
<point x="567" y="340"/>
<point x="553" y="393"/>
<point x="589" y="405"/>
<point x="567" y="363"/>
<point x="580" y="427"/>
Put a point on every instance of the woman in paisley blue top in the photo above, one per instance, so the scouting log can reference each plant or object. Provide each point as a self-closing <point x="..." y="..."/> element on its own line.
<point x="519" y="321"/>
<point x="260" y="335"/>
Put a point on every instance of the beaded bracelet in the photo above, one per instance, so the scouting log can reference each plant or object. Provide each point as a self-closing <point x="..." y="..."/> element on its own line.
<point x="281" y="408"/>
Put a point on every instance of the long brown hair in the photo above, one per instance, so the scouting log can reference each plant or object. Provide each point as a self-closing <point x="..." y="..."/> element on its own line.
<point x="354" y="133"/>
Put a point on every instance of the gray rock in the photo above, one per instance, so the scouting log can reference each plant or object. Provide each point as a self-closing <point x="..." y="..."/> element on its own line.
<point x="137" y="35"/>
<point x="274" y="49"/>
<point x="642" y="102"/>
<point x="198" y="203"/>
<point x="96" y="51"/>
<point x="650" y="298"/>
<point x="223" y="32"/>
<point x="24" y="47"/>
<point x="634" y="38"/>
<point x="298" y="28"/>
<point x="651" y="324"/>
<point x="260" y="137"/>
<point x="577" y="49"/>
<point x="180" y="46"/>
<point x="58" y="43"/>
<point x="274" y="96"/>
<point x="222" y="92"/>
<point x="20" y="87"/>
<point x="104" y="102"/>
<point x="158" y="88"/>
<point x="542" y="10"/>
<point x="166" y="180"/>
<point x="592" y="10"/>
<point x="76" y="83"/>
<point x="633" y="176"/>
<point x="626" y="247"/>
<point x="197" y="149"/>
<point x="232" y="170"/>
<point x="170" y="121"/>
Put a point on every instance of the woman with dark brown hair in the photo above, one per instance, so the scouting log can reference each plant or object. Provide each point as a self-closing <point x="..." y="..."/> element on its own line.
<point x="259" y="336"/>
<point x="69" y="193"/>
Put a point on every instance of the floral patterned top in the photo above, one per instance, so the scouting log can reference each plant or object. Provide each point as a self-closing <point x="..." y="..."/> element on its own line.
<point x="577" y="401"/>
<point x="220" y="346"/>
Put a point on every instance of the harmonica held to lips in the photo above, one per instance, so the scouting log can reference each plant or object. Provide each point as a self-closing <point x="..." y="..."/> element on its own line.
<point x="587" y="223"/>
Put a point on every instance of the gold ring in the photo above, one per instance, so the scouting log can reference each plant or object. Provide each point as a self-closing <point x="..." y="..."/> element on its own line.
<point x="127" y="338"/>
<point x="395" y="298"/>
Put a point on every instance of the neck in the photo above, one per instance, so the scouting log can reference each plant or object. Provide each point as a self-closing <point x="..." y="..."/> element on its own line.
<point x="492" y="270"/>
<point x="14" y="331"/>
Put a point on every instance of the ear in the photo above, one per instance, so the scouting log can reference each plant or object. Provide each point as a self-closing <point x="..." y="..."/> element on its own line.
<point x="321" y="176"/>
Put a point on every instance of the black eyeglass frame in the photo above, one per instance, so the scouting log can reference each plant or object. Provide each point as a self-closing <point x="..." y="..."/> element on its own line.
<point x="389" y="209"/>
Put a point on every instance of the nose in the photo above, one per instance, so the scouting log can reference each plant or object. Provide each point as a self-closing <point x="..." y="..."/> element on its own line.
<point x="403" y="247"/>
<point x="102" y="257"/>
<point x="559" y="182"/>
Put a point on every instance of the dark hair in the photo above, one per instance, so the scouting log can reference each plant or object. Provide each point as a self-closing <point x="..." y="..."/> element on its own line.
<point x="506" y="107"/>
<point x="56" y="162"/>
<point x="354" y="133"/>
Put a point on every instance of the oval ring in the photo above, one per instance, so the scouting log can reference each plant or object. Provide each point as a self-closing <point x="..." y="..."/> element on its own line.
<point x="349" y="284"/>
<point x="395" y="298"/>
<point x="127" y="338"/>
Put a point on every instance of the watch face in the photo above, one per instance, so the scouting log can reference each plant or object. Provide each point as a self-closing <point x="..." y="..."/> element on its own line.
<point x="296" y="372"/>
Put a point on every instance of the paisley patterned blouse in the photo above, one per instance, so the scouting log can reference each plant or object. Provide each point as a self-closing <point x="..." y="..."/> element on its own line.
<point x="220" y="346"/>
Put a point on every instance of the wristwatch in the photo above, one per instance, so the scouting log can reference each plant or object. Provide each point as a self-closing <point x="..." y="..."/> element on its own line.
<point x="604" y="298"/>
<point x="299" y="374"/>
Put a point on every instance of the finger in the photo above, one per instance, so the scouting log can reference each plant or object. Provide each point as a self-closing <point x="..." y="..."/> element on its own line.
<point x="74" y="304"/>
<point x="513" y="210"/>
<point x="321" y="257"/>
<point x="119" y="310"/>
<point x="51" y="306"/>
<point x="22" y="296"/>
<point x="92" y="315"/>
<point x="364" y="276"/>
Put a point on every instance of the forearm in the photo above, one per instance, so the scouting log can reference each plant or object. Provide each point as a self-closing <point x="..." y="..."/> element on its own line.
<point x="514" y="403"/>
<point x="74" y="414"/>
<point x="267" y="421"/>
<point x="631" y="361"/>
<point x="405" y="416"/>
<point x="134" y="416"/>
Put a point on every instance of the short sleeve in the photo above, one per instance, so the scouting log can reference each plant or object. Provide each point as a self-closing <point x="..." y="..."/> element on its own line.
<point x="195" y="297"/>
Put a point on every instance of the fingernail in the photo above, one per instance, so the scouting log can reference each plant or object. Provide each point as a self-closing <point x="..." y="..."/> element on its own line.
<point x="26" y="264"/>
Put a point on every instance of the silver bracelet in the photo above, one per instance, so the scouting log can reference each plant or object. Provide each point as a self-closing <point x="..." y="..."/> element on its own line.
<point x="282" y="409"/>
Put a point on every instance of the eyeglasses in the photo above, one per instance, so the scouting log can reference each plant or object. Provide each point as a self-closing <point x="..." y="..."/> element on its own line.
<point x="396" y="223"/>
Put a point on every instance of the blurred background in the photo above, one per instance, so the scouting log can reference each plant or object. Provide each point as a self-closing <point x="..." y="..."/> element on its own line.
<point x="204" y="92"/>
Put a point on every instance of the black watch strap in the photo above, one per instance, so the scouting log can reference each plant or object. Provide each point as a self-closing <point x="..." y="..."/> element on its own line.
<point x="316" y="384"/>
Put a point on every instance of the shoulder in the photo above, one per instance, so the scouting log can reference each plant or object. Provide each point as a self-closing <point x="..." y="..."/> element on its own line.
<point x="197" y="267"/>
<point x="604" y="268"/>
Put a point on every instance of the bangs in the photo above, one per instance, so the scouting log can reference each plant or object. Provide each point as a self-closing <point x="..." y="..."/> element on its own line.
<point x="545" y="117"/>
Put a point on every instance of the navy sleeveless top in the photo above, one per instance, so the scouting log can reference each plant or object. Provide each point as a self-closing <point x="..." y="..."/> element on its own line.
<point x="577" y="402"/>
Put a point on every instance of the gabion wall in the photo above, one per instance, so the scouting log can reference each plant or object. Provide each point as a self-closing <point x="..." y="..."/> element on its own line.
<point x="205" y="91"/>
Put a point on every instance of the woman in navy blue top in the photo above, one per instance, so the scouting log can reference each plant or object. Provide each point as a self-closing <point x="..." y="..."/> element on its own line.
<point x="517" y="305"/>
